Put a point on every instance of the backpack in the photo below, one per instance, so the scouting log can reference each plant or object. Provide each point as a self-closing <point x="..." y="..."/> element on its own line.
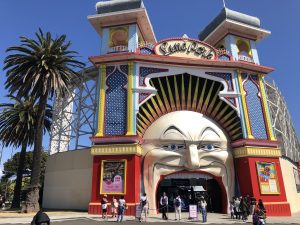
<point x="177" y="202"/>
<point x="144" y="202"/>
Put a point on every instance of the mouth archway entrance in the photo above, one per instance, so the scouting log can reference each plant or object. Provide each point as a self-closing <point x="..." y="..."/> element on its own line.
<point x="190" y="186"/>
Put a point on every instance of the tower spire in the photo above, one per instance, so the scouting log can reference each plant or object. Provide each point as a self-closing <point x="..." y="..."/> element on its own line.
<point x="224" y="4"/>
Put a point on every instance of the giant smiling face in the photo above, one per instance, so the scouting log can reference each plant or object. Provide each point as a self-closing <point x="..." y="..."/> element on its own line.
<point x="185" y="140"/>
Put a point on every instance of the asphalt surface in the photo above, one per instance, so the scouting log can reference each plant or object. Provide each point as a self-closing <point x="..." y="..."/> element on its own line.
<point x="96" y="222"/>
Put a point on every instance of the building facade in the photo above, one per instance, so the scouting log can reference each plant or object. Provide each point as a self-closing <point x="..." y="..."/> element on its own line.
<point x="182" y="115"/>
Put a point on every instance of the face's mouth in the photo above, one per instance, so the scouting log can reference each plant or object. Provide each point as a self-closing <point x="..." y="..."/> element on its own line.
<point x="158" y="164"/>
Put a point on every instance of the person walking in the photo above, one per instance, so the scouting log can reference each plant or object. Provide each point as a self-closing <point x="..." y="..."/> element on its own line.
<point x="177" y="207"/>
<point x="244" y="209"/>
<point x="164" y="205"/>
<point x="104" y="206"/>
<point x="252" y="204"/>
<point x="114" y="207"/>
<point x="144" y="203"/>
<point x="237" y="208"/>
<point x="262" y="213"/>
<point x="121" y="208"/>
<point x="231" y="209"/>
<point x="203" y="207"/>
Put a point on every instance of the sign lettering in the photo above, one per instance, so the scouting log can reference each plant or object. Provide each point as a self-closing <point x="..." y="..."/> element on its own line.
<point x="185" y="48"/>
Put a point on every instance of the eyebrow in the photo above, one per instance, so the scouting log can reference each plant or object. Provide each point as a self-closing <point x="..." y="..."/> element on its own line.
<point x="174" y="128"/>
<point x="209" y="128"/>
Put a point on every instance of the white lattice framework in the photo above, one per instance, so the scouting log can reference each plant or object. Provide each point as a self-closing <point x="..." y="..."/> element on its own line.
<point x="281" y="121"/>
<point x="74" y="116"/>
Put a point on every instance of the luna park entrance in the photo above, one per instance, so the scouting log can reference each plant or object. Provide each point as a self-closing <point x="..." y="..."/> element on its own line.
<point x="190" y="187"/>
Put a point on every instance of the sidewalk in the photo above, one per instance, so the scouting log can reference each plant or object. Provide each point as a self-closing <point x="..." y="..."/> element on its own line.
<point x="12" y="217"/>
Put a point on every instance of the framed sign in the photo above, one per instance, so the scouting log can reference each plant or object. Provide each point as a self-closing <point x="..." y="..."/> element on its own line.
<point x="267" y="178"/>
<point x="113" y="177"/>
<point x="185" y="47"/>
<point x="193" y="213"/>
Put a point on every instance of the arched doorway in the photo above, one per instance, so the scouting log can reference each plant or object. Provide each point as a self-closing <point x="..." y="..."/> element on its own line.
<point x="191" y="186"/>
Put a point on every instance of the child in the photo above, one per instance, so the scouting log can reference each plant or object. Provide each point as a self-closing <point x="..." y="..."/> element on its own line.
<point x="114" y="207"/>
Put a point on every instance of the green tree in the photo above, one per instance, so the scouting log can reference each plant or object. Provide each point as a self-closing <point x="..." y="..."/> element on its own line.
<point x="17" y="123"/>
<point x="10" y="171"/>
<point x="40" y="68"/>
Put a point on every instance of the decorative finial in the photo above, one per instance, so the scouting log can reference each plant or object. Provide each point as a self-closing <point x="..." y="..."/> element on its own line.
<point x="185" y="36"/>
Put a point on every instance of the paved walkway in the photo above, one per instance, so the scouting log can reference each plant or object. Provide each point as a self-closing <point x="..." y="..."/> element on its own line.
<point x="213" y="218"/>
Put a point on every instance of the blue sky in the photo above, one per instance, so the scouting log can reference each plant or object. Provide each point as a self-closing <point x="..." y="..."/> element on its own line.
<point x="170" y="18"/>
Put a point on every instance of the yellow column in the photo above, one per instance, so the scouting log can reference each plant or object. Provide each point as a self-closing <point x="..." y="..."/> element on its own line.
<point x="265" y="109"/>
<point x="130" y="100"/>
<point x="101" y="103"/>
<point x="247" y="120"/>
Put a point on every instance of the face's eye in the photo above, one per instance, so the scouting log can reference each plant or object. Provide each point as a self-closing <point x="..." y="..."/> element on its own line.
<point x="173" y="147"/>
<point x="208" y="147"/>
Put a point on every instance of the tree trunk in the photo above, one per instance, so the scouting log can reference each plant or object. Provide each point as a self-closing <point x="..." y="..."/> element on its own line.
<point x="18" y="186"/>
<point x="32" y="198"/>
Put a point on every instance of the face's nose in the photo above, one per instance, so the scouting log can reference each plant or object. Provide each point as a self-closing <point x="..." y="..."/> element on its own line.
<point x="191" y="157"/>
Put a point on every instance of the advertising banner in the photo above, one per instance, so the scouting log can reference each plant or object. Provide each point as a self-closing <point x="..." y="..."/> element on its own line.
<point x="267" y="178"/>
<point x="193" y="213"/>
<point x="113" y="177"/>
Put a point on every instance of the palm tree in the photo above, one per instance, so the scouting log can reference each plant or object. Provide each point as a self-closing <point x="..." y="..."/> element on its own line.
<point x="40" y="68"/>
<point x="17" y="122"/>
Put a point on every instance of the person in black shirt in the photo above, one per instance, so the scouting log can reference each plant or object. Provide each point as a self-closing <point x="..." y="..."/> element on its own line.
<point x="40" y="218"/>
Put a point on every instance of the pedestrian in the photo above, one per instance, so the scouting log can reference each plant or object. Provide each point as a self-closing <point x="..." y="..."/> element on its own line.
<point x="237" y="208"/>
<point x="114" y="207"/>
<point x="144" y="203"/>
<point x="164" y="205"/>
<point x="261" y="217"/>
<point x="121" y="208"/>
<point x="104" y="206"/>
<point x="3" y="200"/>
<point x="177" y="207"/>
<point x="255" y="218"/>
<point x="203" y="206"/>
<point x="40" y="218"/>
<point x="262" y="214"/>
<point x="231" y="209"/>
<point x="261" y="205"/>
<point x="244" y="208"/>
<point x="252" y="204"/>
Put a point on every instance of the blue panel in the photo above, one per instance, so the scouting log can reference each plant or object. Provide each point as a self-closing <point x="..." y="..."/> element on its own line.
<point x="235" y="79"/>
<point x="254" y="52"/>
<point x="105" y="40"/>
<point x="231" y="46"/>
<point x="147" y="51"/>
<point x="133" y="38"/>
<point x="144" y="71"/>
<point x="255" y="110"/>
<point x="225" y="76"/>
<point x="116" y="104"/>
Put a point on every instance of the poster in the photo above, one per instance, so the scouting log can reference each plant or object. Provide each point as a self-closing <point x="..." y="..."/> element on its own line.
<point x="267" y="178"/>
<point x="297" y="179"/>
<point x="193" y="214"/>
<point x="113" y="177"/>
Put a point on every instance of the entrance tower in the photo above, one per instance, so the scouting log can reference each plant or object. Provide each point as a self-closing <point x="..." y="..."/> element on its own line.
<point x="257" y="154"/>
<point x="148" y="88"/>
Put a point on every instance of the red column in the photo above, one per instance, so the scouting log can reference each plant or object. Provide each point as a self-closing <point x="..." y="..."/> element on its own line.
<point x="276" y="204"/>
<point x="132" y="194"/>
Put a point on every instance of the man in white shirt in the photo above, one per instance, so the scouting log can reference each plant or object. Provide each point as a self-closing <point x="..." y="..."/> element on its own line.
<point x="164" y="205"/>
<point x="177" y="206"/>
<point x="144" y="207"/>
